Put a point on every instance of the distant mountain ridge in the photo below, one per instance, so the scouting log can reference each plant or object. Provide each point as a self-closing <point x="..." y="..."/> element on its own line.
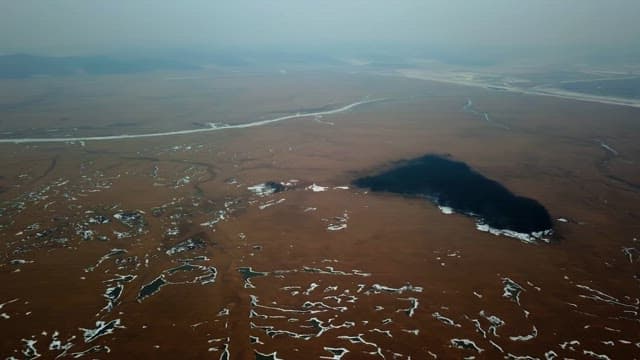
<point x="17" y="66"/>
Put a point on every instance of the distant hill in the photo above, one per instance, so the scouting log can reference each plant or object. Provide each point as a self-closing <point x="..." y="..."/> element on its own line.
<point x="22" y="65"/>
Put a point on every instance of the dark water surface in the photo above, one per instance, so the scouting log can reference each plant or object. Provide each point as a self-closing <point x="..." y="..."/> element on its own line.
<point x="454" y="184"/>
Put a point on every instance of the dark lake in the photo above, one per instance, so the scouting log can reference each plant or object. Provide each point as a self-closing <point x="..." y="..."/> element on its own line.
<point x="454" y="184"/>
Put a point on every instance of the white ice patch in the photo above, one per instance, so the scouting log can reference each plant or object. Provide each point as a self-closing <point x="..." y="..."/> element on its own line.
<point x="512" y="290"/>
<point x="445" y="320"/>
<point x="410" y="310"/>
<point x="629" y="251"/>
<point x="608" y="148"/>
<point x="597" y="295"/>
<point x="384" y="332"/>
<point x="525" y="237"/>
<point x="102" y="328"/>
<point x="337" y="353"/>
<point x="290" y="183"/>
<point x="360" y="340"/>
<point x="511" y="356"/>
<point x="571" y="345"/>
<point x="92" y="350"/>
<point x="270" y="203"/>
<point x="112" y="253"/>
<point x="415" y="332"/>
<point x="261" y="189"/>
<point x="377" y="288"/>
<point x="533" y="335"/>
<point x="317" y="188"/>
<point x="172" y="232"/>
<point x="30" y="350"/>
<point x="213" y="125"/>
<point x="182" y="181"/>
<point x="550" y="355"/>
<point x="312" y="287"/>
<point x="465" y="344"/>
<point x="595" y="355"/>
<point x="338" y="222"/>
<point x="8" y="302"/>
<point x="336" y="227"/>
<point x="266" y="189"/>
<point x="272" y="356"/>
<point x="446" y="210"/>
<point x="494" y="321"/>
<point x="220" y="216"/>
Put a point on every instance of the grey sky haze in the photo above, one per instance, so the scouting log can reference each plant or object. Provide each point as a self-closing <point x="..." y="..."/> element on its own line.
<point x="92" y="26"/>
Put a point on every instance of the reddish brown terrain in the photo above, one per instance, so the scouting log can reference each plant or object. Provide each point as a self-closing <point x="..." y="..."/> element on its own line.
<point x="321" y="269"/>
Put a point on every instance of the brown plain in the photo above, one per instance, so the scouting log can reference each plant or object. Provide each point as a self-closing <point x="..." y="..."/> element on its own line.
<point x="544" y="148"/>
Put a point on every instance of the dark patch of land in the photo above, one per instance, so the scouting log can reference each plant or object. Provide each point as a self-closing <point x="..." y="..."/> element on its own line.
<point x="454" y="184"/>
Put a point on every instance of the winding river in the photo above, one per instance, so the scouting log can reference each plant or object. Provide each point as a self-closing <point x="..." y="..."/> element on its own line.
<point x="190" y="131"/>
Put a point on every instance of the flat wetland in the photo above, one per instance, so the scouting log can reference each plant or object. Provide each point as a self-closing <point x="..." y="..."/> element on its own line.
<point x="336" y="271"/>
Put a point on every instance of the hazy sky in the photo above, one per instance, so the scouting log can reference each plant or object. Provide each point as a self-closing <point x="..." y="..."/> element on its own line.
<point x="86" y="26"/>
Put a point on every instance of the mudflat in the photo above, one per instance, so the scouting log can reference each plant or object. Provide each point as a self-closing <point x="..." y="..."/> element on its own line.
<point x="253" y="243"/>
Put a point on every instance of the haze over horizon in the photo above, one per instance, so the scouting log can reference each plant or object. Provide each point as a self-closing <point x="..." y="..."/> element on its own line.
<point x="555" y="29"/>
